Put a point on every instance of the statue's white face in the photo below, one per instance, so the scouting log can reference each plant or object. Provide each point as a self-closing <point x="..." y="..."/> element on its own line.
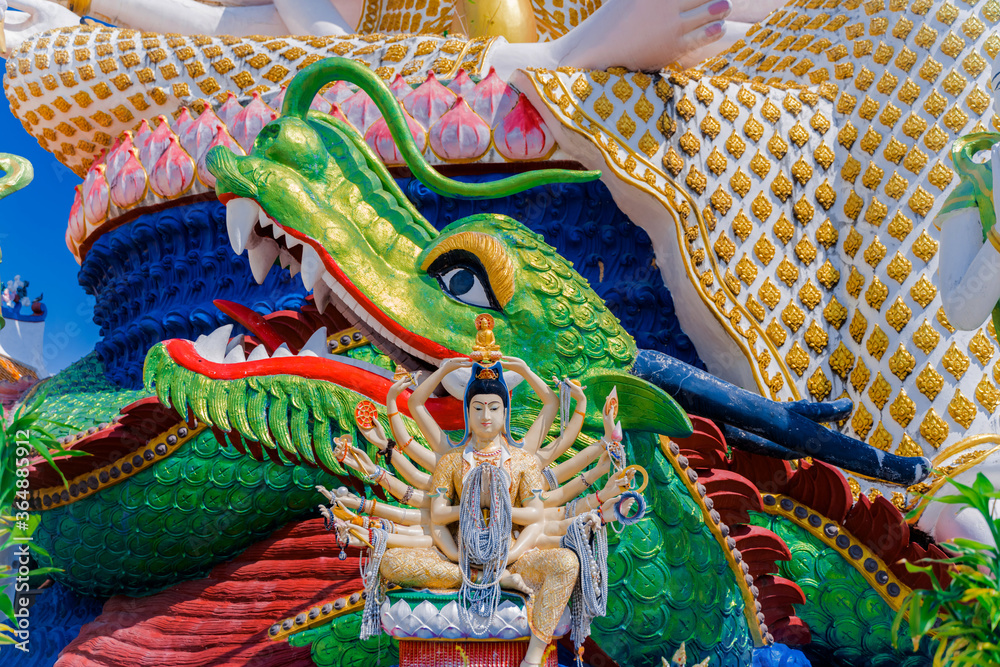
<point x="487" y="416"/>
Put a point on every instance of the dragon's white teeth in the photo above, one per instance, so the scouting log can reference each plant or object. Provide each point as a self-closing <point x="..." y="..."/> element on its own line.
<point x="241" y="215"/>
<point x="236" y="355"/>
<point x="259" y="353"/>
<point x="282" y="351"/>
<point x="264" y="220"/>
<point x="234" y="343"/>
<point x="312" y="266"/>
<point x="322" y="295"/>
<point x="213" y="346"/>
<point x="284" y="258"/>
<point x="262" y="253"/>
<point x="316" y="343"/>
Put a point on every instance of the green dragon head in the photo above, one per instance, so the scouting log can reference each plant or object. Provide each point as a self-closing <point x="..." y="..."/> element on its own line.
<point x="313" y="195"/>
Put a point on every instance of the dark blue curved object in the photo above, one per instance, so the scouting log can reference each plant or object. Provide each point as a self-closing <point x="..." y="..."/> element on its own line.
<point x="156" y="277"/>
<point x="779" y="655"/>
<point x="705" y="395"/>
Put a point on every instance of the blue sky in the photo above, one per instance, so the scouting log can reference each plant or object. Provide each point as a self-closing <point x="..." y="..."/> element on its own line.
<point x="32" y="238"/>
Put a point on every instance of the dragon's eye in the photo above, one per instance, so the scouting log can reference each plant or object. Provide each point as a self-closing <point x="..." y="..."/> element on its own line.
<point x="472" y="268"/>
<point x="463" y="278"/>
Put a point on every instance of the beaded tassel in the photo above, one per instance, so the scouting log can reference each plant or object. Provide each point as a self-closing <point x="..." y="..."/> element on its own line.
<point x="371" y="624"/>
<point x="590" y="595"/>
<point x="484" y="545"/>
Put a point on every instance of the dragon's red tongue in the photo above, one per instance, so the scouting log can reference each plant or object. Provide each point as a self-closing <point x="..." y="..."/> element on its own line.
<point x="253" y="322"/>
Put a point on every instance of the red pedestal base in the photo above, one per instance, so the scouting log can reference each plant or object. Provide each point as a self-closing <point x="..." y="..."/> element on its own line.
<point x="418" y="653"/>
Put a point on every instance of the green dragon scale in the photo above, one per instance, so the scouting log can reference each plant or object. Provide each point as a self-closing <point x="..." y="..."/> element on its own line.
<point x="313" y="193"/>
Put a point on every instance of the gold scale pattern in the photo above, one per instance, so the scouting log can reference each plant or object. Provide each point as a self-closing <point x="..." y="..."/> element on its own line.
<point x="803" y="169"/>
<point x="64" y="85"/>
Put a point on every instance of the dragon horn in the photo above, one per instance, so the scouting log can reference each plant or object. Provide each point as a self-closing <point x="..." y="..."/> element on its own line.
<point x="305" y="85"/>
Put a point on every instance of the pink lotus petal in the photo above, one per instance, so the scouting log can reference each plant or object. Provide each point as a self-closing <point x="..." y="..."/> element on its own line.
<point x="142" y="137"/>
<point x="361" y="111"/>
<point x="128" y="186"/>
<point x="321" y="104"/>
<point x="279" y="99"/>
<point x="485" y="100"/>
<point x="158" y="141"/>
<point x="224" y="139"/>
<point x="173" y="173"/>
<point x="381" y="141"/>
<point x="429" y="101"/>
<point x="120" y="153"/>
<point x="460" y="134"/>
<point x="227" y="112"/>
<point x="197" y="136"/>
<point x="77" y="227"/>
<point x="183" y="120"/>
<point x="338" y="113"/>
<point x="462" y="85"/>
<point x="400" y="88"/>
<point x="72" y="245"/>
<point x="522" y="134"/>
<point x="249" y="122"/>
<point x="95" y="197"/>
<point x="338" y="92"/>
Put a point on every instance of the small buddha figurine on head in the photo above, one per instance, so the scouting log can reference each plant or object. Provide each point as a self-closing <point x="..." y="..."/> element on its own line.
<point x="486" y="348"/>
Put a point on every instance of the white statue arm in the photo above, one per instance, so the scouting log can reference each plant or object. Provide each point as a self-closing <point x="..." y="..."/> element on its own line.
<point x="409" y="472"/>
<point x="356" y="536"/>
<point x="969" y="270"/>
<point x="433" y="434"/>
<point x="191" y="17"/>
<point x="312" y="17"/>
<point x="398" y="515"/>
<point x="550" y="403"/>
<point x="578" y="484"/>
<point x="558" y="447"/>
<point x="421" y="455"/>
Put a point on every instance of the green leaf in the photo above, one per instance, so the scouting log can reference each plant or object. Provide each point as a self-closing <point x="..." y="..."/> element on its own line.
<point x="650" y="408"/>
<point x="7" y="608"/>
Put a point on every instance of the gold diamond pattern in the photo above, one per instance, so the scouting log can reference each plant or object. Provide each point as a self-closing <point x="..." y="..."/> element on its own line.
<point x="769" y="294"/>
<point x="861" y="422"/>
<point x="955" y="362"/>
<point x="819" y="385"/>
<point x="933" y="429"/>
<point x="988" y="395"/>
<point x="793" y="317"/>
<point x="888" y="193"/>
<point x="926" y="337"/>
<point x="842" y="361"/>
<point x="981" y="347"/>
<point x="816" y="337"/>
<point x="898" y="314"/>
<point x="901" y="363"/>
<point x="923" y="291"/>
<point x="903" y="409"/>
<point x="880" y="391"/>
<point x="860" y="376"/>
<point x="797" y="359"/>
<point x="876" y="293"/>
<point x="881" y="439"/>
<point x="961" y="409"/>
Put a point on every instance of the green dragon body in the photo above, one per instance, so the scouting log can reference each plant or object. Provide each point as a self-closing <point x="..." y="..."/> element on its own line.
<point x="313" y="190"/>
